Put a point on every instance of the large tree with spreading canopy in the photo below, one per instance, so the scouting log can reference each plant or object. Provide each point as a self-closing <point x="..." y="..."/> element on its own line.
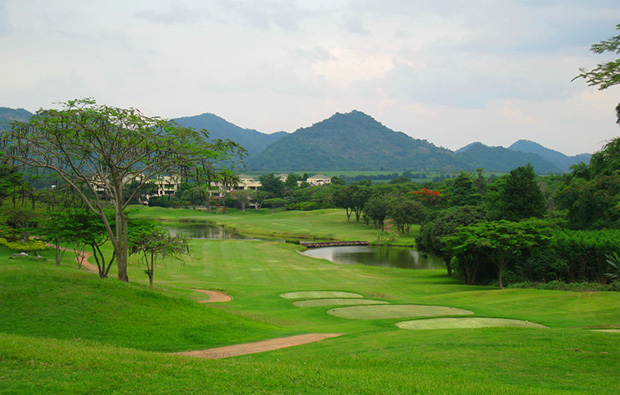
<point x="97" y="150"/>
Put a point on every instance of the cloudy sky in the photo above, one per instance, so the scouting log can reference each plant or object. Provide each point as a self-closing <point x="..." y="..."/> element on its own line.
<point x="449" y="71"/>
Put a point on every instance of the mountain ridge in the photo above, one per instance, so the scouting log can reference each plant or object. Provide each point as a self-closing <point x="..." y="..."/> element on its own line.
<point x="564" y="162"/>
<point x="357" y="141"/>
<point x="219" y="128"/>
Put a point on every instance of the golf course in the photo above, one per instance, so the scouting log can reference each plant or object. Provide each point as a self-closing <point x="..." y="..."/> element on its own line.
<point x="382" y="330"/>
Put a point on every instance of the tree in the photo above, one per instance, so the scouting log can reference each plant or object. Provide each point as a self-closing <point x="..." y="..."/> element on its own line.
<point x="405" y="212"/>
<point x="335" y="180"/>
<point x="81" y="228"/>
<point x="274" y="203"/>
<point x="242" y="196"/>
<point x="154" y="242"/>
<point x="463" y="192"/>
<point x="97" y="150"/>
<point x="520" y="196"/>
<point x="430" y="198"/>
<point x="360" y="194"/>
<point x="442" y="224"/>
<point x="343" y="198"/>
<point x="10" y="178"/>
<point x="377" y="209"/>
<point x="500" y="241"/>
<point x="272" y="185"/>
<point x="605" y="74"/>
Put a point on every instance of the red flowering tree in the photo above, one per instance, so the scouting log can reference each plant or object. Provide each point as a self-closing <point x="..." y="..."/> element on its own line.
<point x="431" y="199"/>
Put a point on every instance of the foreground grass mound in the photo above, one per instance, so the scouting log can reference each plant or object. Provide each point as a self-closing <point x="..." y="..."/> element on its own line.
<point x="469" y="322"/>
<point x="319" y="295"/>
<point x="394" y="311"/>
<point x="488" y="361"/>
<point x="41" y="300"/>
<point x="336" y="302"/>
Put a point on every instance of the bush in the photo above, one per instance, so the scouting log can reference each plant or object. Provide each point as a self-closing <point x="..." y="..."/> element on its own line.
<point x="305" y="206"/>
<point x="31" y="245"/>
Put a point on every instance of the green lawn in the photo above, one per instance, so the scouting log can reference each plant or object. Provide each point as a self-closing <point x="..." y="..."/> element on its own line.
<point x="65" y="331"/>
<point x="330" y="224"/>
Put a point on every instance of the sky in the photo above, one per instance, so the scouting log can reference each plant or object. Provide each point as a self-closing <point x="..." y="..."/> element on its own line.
<point x="448" y="71"/>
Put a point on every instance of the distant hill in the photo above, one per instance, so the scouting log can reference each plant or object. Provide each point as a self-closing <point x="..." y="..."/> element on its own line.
<point x="356" y="141"/>
<point x="560" y="160"/>
<point x="478" y="155"/>
<point x="7" y="115"/>
<point x="352" y="141"/>
<point x="252" y="140"/>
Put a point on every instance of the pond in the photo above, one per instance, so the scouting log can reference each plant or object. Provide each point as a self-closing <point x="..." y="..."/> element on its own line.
<point x="403" y="258"/>
<point x="205" y="231"/>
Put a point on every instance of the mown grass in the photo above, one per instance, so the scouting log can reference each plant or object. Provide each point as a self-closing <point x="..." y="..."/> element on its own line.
<point x="329" y="224"/>
<point x="487" y="361"/>
<point x="45" y="301"/>
<point x="65" y="331"/>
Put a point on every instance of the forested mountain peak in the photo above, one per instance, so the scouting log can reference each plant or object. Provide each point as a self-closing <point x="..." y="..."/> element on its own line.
<point x="351" y="141"/>
<point x="219" y="128"/>
<point x="7" y="115"/>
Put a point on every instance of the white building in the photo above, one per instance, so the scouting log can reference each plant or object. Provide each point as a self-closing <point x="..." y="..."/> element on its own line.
<point x="319" y="179"/>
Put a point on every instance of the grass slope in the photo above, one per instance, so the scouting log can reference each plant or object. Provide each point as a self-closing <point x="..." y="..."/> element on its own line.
<point x="65" y="331"/>
<point x="44" y="301"/>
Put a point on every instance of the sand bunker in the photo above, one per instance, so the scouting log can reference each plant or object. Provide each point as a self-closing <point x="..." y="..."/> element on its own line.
<point x="319" y="295"/>
<point x="395" y="311"/>
<point x="468" y="322"/>
<point x="336" y="302"/>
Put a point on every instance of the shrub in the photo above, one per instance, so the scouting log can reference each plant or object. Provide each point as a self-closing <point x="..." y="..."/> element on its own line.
<point x="31" y="245"/>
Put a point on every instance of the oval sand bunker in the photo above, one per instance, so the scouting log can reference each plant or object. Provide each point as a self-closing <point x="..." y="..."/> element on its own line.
<point x="319" y="295"/>
<point x="394" y="311"/>
<point x="468" y="322"/>
<point x="336" y="302"/>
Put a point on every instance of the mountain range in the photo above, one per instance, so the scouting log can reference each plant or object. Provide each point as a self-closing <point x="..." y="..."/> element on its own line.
<point x="356" y="141"/>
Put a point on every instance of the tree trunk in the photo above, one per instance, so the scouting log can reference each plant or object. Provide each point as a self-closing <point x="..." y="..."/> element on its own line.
<point x="501" y="275"/>
<point x="120" y="247"/>
<point x="448" y="267"/>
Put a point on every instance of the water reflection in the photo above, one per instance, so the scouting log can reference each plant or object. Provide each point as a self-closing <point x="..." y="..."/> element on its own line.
<point x="377" y="256"/>
<point x="204" y="231"/>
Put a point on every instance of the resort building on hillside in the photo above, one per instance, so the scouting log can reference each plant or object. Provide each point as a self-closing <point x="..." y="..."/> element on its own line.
<point x="165" y="186"/>
<point x="219" y="190"/>
<point x="319" y="179"/>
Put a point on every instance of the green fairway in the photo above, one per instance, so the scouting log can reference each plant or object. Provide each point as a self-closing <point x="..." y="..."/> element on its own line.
<point x="330" y="224"/>
<point x="66" y="331"/>
<point x="335" y="302"/>
<point x="478" y="322"/>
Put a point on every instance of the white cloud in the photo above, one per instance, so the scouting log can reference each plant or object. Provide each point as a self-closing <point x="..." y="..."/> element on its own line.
<point x="449" y="71"/>
<point x="348" y="66"/>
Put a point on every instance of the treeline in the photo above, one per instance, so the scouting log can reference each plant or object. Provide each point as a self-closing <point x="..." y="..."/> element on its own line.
<point x="510" y="230"/>
<point x="513" y="229"/>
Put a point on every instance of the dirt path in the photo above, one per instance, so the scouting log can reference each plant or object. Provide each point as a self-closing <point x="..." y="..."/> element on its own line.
<point x="252" y="348"/>
<point x="85" y="255"/>
<point x="214" y="296"/>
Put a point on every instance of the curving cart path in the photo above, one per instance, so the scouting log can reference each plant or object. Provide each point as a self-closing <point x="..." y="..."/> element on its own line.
<point x="256" y="347"/>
